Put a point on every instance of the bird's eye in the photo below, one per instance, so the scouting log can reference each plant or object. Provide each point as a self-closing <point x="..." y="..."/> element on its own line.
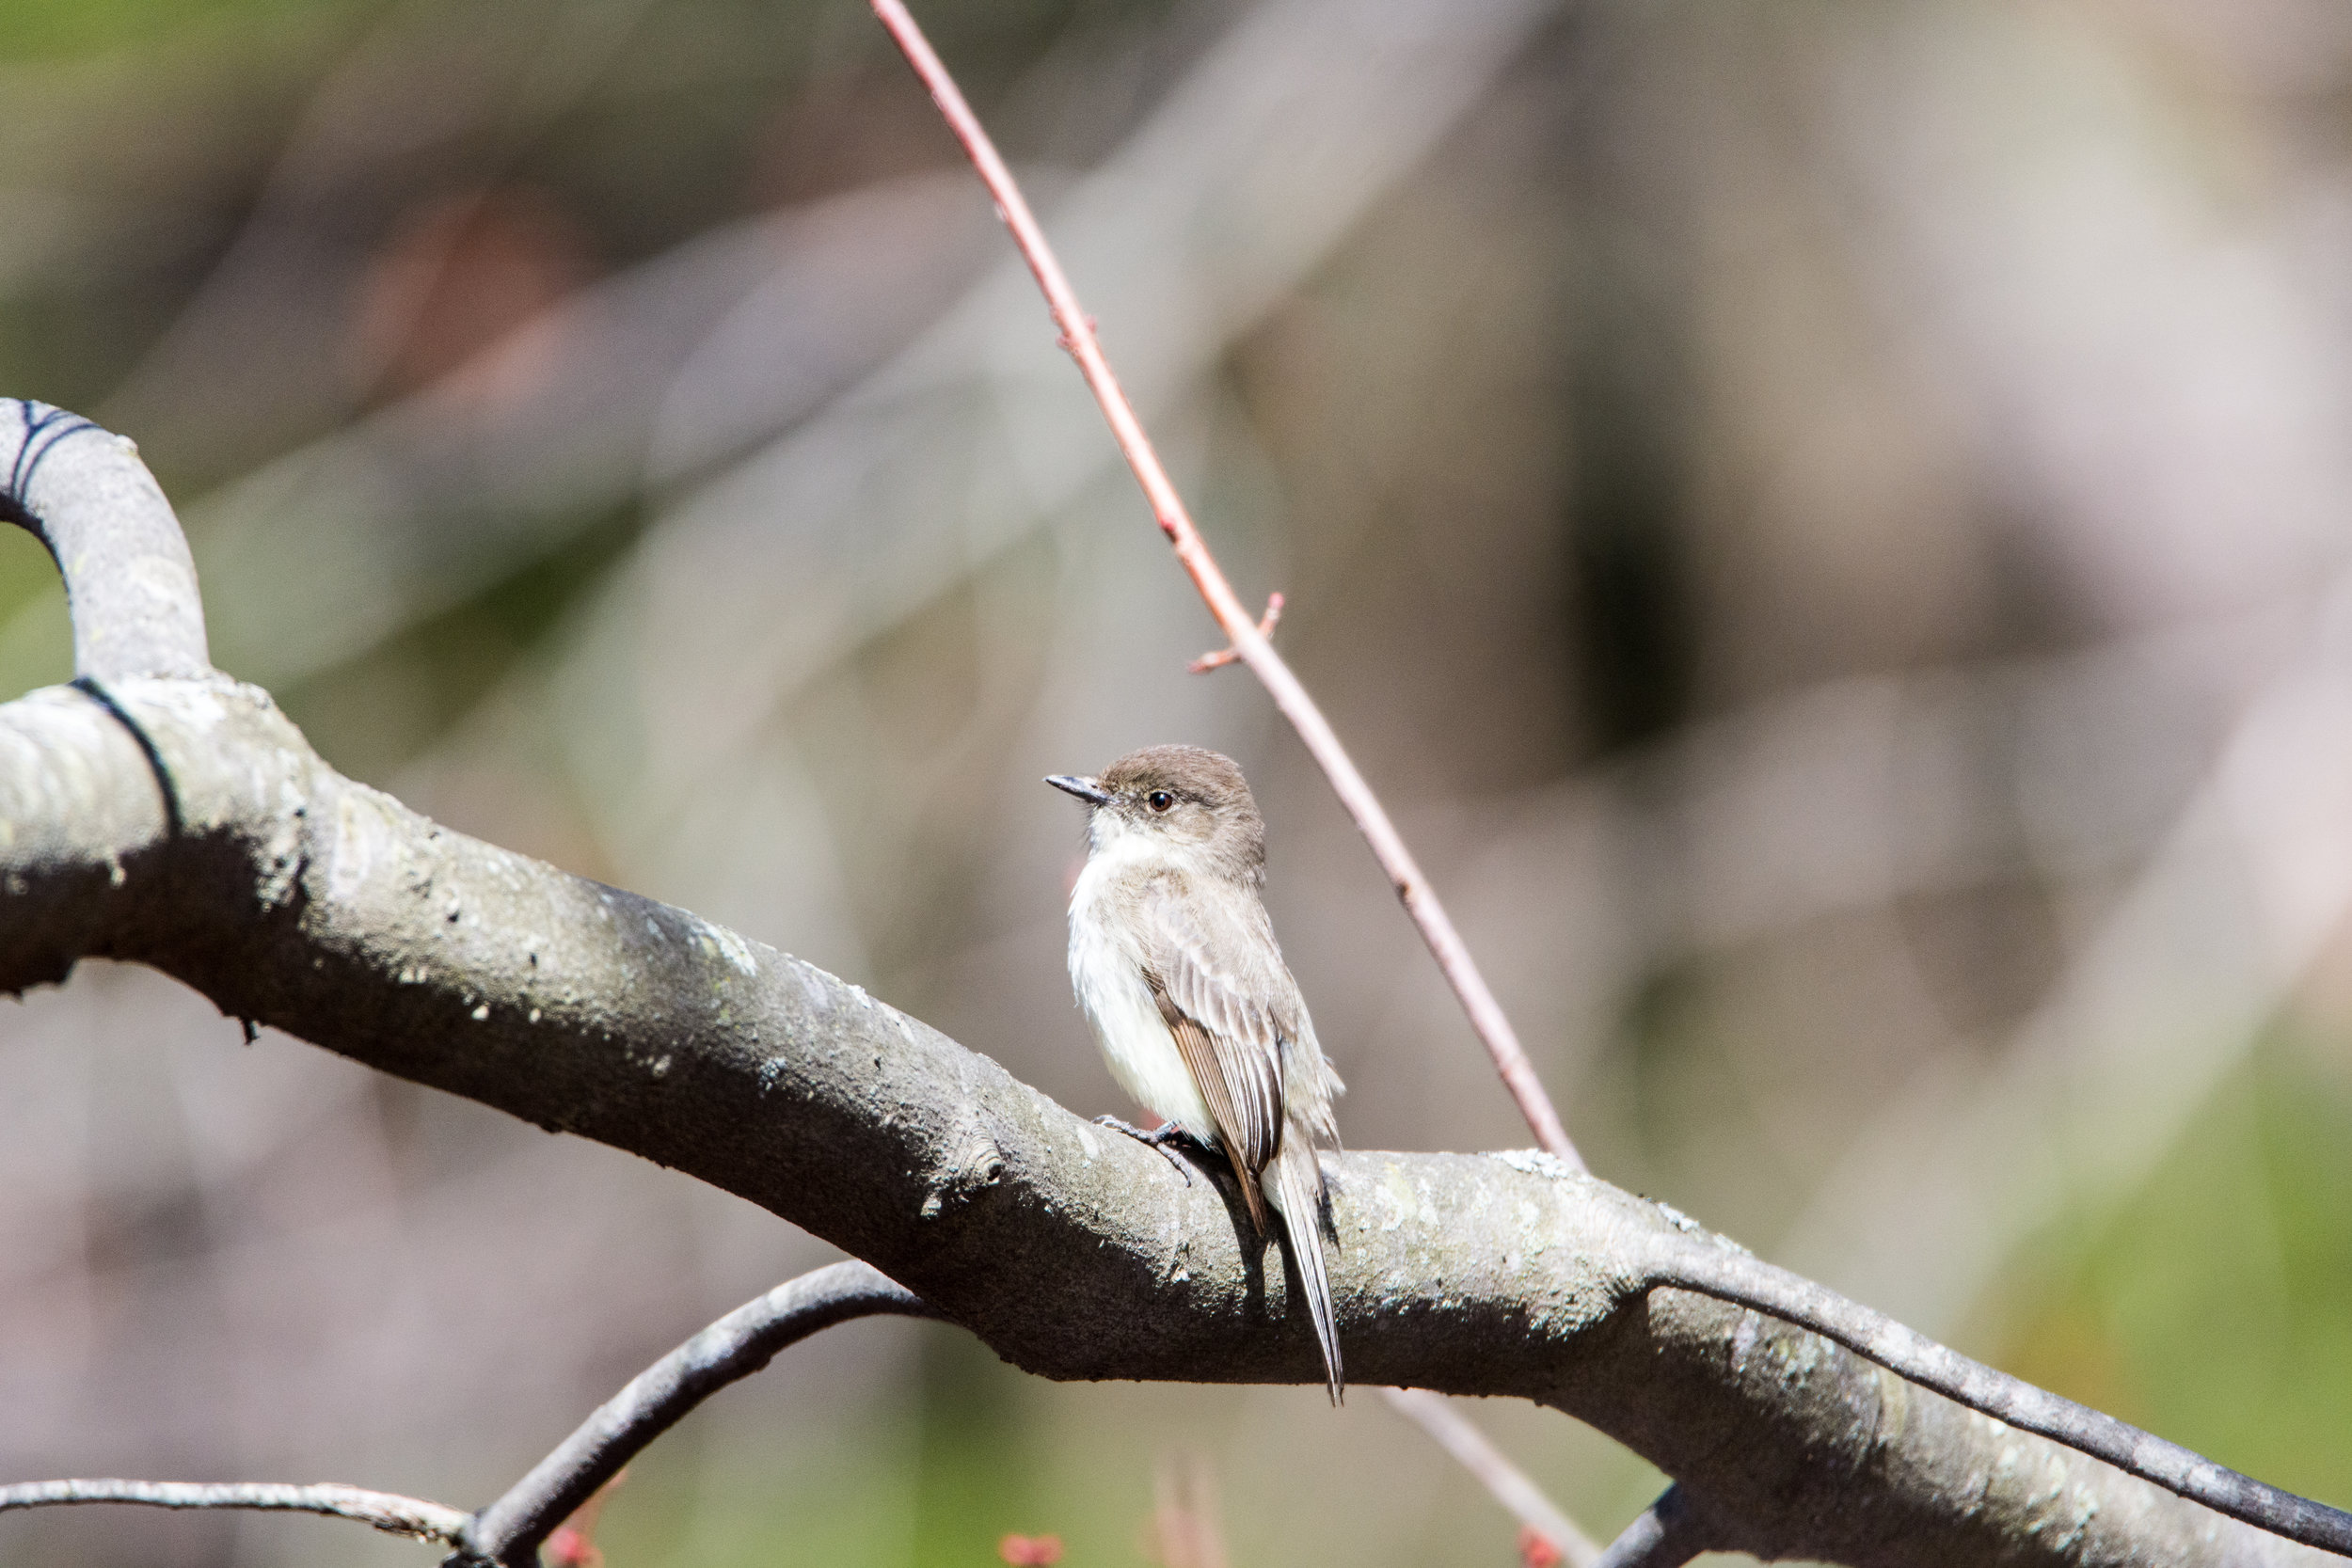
<point x="1159" y="800"/>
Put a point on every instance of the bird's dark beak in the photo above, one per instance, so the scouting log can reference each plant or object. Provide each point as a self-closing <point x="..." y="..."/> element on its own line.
<point x="1085" y="789"/>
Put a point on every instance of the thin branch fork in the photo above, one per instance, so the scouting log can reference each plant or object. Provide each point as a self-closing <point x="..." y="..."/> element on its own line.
<point x="1250" y="643"/>
<point x="1224" y="657"/>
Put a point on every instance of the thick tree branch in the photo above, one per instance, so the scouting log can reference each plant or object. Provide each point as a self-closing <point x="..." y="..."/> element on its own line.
<point x="297" y="897"/>
<point x="734" y="1347"/>
<point x="393" y="1514"/>
<point x="291" y="895"/>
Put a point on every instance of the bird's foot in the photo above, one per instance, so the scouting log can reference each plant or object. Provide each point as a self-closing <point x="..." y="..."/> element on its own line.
<point x="1168" y="1133"/>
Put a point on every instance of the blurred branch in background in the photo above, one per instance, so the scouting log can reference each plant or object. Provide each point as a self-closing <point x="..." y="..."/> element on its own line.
<point x="2235" y="904"/>
<point x="409" y="108"/>
<point x="1186" y="1530"/>
<point x="2174" y="490"/>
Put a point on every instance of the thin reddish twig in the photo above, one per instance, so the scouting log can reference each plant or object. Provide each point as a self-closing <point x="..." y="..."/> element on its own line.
<point x="1505" y="1481"/>
<point x="1248" y="644"/>
<point x="1185" y="1532"/>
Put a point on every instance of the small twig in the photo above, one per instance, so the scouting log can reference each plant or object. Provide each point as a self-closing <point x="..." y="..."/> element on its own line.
<point x="386" y="1510"/>
<point x="1665" y="1535"/>
<point x="1250" y="646"/>
<point x="734" y="1347"/>
<point x="1519" y="1495"/>
<point x="1224" y="657"/>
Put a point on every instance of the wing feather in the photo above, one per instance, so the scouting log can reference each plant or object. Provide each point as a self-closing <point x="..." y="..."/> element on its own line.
<point x="1209" y="1071"/>
<point x="1241" y="1028"/>
<point x="1214" y="962"/>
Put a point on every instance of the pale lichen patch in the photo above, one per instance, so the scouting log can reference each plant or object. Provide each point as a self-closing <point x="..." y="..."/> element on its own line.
<point x="732" y="947"/>
<point x="1535" y="1162"/>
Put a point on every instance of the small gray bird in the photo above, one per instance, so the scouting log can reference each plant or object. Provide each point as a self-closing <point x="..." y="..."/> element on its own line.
<point x="1175" y="965"/>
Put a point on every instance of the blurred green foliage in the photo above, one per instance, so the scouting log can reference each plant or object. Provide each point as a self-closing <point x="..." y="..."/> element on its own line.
<point x="61" y="30"/>
<point x="2216" y="1308"/>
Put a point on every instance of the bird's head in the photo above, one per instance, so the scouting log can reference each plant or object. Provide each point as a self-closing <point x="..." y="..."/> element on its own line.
<point x="1179" y="799"/>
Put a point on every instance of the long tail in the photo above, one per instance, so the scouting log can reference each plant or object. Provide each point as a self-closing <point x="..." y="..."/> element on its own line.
<point x="1294" y="1182"/>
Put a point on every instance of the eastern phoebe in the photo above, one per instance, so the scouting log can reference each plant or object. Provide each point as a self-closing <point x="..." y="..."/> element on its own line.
<point x="1175" y="965"/>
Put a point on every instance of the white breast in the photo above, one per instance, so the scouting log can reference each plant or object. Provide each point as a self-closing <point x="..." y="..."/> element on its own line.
<point x="1106" y="972"/>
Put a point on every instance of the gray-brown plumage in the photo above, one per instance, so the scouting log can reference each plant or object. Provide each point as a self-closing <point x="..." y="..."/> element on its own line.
<point x="1176" y="966"/>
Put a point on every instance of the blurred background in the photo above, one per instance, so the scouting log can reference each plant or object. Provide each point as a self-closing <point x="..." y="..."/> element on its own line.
<point x="1826" y="523"/>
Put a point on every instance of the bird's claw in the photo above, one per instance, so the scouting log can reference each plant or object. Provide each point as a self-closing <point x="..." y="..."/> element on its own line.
<point x="1169" y="1133"/>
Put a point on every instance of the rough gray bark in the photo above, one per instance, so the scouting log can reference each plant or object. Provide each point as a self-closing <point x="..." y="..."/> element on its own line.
<point x="183" y="822"/>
